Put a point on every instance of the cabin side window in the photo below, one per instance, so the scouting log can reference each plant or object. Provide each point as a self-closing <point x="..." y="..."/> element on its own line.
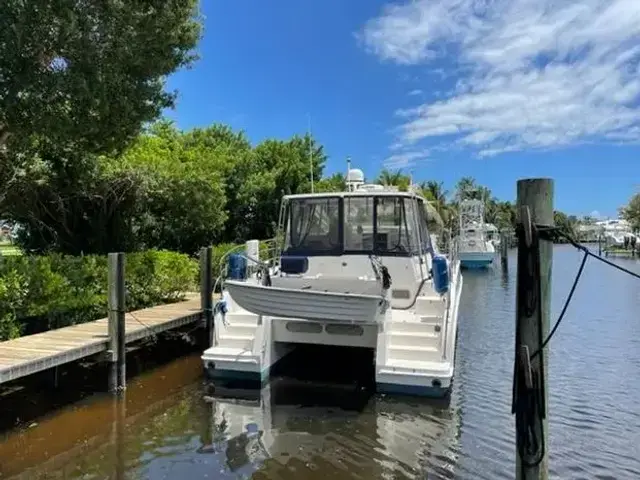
<point x="313" y="226"/>
<point x="396" y="229"/>
<point x="425" y="238"/>
<point x="358" y="224"/>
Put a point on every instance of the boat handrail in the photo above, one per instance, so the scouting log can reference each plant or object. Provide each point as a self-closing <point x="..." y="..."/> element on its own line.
<point x="222" y="265"/>
<point x="453" y="274"/>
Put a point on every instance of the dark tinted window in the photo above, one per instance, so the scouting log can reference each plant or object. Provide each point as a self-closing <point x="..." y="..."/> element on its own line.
<point x="313" y="226"/>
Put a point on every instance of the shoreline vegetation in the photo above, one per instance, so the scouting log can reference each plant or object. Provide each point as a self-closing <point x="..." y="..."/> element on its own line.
<point x="163" y="198"/>
<point x="45" y="292"/>
<point x="88" y="166"/>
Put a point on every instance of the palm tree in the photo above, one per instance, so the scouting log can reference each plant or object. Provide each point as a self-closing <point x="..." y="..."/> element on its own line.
<point x="396" y="179"/>
<point x="435" y="190"/>
<point x="435" y="193"/>
<point x="465" y="188"/>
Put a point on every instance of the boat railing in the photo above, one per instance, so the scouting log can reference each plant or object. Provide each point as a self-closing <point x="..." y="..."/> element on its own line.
<point x="269" y="246"/>
<point x="452" y="254"/>
<point x="221" y="267"/>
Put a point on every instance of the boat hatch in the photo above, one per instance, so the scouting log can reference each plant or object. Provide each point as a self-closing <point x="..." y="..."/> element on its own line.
<point x="294" y="265"/>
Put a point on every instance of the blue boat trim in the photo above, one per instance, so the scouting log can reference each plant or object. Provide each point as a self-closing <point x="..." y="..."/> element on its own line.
<point x="413" y="390"/>
<point x="257" y="378"/>
<point x="475" y="263"/>
<point x="261" y="377"/>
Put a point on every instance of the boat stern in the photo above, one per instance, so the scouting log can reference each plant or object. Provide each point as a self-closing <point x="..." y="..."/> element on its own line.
<point x="433" y="381"/>
<point x="476" y="259"/>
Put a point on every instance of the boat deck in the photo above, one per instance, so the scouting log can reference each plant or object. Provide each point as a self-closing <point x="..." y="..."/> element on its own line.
<point x="33" y="353"/>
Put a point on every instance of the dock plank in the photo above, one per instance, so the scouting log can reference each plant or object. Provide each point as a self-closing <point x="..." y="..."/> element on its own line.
<point x="33" y="353"/>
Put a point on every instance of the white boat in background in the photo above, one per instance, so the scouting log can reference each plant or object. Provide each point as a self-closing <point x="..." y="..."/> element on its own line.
<point x="357" y="269"/>
<point x="493" y="235"/>
<point x="474" y="247"/>
<point x="615" y="232"/>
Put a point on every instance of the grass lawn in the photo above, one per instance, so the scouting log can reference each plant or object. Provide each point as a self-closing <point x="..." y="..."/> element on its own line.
<point x="8" y="249"/>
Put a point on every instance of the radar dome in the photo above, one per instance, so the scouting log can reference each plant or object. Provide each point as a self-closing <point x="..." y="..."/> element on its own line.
<point x="355" y="175"/>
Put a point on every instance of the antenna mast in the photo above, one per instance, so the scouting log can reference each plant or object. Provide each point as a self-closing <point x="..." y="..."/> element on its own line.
<point x="310" y="152"/>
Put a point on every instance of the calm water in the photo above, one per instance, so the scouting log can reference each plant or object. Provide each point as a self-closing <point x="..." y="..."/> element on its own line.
<point x="173" y="426"/>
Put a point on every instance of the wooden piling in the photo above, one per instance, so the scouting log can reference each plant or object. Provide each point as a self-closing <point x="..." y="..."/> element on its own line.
<point x="116" y="302"/>
<point x="504" y="250"/>
<point x="206" y="293"/>
<point x="537" y="196"/>
<point x="599" y="244"/>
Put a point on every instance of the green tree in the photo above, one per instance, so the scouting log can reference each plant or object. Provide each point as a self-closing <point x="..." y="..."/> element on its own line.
<point x="64" y="203"/>
<point x="631" y="212"/>
<point x="180" y="199"/>
<point x="170" y="189"/>
<point x="334" y="183"/>
<point x="279" y="168"/>
<point x="88" y="75"/>
<point x="165" y="191"/>
<point x="229" y="153"/>
<point x="567" y="223"/>
<point x="505" y="215"/>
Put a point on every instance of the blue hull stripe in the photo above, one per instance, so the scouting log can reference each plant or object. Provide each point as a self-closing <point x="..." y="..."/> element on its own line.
<point x="475" y="263"/>
<point x="413" y="390"/>
<point x="258" y="377"/>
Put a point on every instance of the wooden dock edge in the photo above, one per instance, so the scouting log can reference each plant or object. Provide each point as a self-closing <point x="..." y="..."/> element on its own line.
<point x="29" y="367"/>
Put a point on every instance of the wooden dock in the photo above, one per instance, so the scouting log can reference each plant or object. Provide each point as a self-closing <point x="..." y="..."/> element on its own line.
<point x="34" y="353"/>
<point x="618" y="252"/>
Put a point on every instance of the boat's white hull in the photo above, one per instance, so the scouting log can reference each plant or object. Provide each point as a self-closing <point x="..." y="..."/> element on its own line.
<point x="415" y="348"/>
<point x="411" y="328"/>
<point x="307" y="304"/>
<point x="416" y="355"/>
<point x="476" y="259"/>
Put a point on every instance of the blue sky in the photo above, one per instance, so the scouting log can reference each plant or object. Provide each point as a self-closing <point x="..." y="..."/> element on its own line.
<point x="494" y="89"/>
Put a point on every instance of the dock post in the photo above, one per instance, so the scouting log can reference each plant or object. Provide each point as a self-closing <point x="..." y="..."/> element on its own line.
<point x="504" y="250"/>
<point x="535" y="201"/>
<point x="206" y="293"/>
<point x="116" y="302"/>
<point x="599" y="244"/>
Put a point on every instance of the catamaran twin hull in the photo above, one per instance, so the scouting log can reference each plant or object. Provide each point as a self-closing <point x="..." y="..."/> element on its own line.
<point x="307" y="304"/>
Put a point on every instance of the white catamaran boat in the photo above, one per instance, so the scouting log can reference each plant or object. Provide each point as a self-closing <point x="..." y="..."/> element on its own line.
<point x="475" y="249"/>
<point x="357" y="269"/>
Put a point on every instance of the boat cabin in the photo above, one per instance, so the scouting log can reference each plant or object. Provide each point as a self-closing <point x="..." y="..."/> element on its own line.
<point x="330" y="240"/>
<point x="385" y="224"/>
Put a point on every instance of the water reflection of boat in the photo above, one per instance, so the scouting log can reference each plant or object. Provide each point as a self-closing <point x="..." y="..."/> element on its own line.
<point x="285" y="432"/>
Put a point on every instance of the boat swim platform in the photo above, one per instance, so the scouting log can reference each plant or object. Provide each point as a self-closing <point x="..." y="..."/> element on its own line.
<point x="30" y="354"/>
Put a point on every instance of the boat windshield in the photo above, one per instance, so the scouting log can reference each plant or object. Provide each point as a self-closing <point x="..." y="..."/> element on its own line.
<point x="313" y="226"/>
<point x="472" y="233"/>
<point x="384" y="225"/>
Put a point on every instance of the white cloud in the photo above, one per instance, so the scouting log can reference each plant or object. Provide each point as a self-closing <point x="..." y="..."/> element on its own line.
<point x="415" y="92"/>
<point x="405" y="159"/>
<point x="531" y="73"/>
